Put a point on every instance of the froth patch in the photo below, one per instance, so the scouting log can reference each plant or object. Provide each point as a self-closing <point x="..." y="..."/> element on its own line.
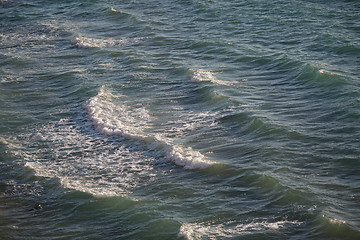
<point x="202" y="76"/>
<point x="80" y="41"/>
<point x="85" y="161"/>
<point x="192" y="231"/>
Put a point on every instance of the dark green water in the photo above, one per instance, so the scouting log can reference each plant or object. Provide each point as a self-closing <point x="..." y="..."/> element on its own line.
<point x="179" y="119"/>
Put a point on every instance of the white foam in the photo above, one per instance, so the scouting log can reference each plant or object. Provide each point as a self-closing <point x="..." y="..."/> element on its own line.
<point x="114" y="10"/>
<point x="3" y="141"/>
<point x="201" y="75"/>
<point x="84" y="161"/>
<point x="334" y="220"/>
<point x="323" y="71"/>
<point x="187" y="158"/>
<point x="192" y="231"/>
<point x="80" y="41"/>
<point x="112" y="117"/>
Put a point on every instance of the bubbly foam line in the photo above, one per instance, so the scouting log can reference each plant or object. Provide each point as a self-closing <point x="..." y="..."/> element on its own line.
<point x="115" y="120"/>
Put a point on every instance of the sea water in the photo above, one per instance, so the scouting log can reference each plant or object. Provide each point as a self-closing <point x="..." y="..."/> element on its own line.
<point x="184" y="119"/>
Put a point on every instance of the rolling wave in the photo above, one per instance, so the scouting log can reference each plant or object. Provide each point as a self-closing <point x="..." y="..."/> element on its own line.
<point x="115" y="119"/>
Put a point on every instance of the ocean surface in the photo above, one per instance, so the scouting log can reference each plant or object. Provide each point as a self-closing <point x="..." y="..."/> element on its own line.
<point x="182" y="119"/>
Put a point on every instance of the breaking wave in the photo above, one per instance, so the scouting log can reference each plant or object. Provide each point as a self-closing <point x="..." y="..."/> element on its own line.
<point x="110" y="116"/>
<point x="201" y="75"/>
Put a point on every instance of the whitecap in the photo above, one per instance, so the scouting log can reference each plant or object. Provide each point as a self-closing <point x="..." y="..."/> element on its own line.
<point x="201" y="75"/>
<point x="114" y="10"/>
<point x="187" y="158"/>
<point x="110" y="117"/>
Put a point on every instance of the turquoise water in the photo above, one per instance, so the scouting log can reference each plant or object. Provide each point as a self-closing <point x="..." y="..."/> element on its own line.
<point x="185" y="119"/>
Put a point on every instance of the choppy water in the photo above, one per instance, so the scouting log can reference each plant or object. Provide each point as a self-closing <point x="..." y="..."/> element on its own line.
<point x="185" y="119"/>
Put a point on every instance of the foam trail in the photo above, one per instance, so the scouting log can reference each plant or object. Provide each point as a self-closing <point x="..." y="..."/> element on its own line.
<point x="111" y="117"/>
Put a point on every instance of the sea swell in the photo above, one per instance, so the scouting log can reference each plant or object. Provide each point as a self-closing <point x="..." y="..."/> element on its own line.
<point x="184" y="119"/>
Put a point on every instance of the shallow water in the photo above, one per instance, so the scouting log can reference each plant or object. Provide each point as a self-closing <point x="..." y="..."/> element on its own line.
<point x="180" y="119"/>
